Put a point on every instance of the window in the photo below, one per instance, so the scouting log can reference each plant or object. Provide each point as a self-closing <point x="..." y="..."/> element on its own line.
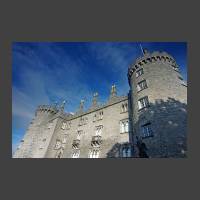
<point x="64" y="140"/>
<point x="94" y="153"/>
<point x="126" y="152"/>
<point x="63" y="125"/>
<point x="139" y="73"/>
<point x="146" y="130"/>
<point x="124" y="126"/>
<point x="59" y="154"/>
<point x="76" y="154"/>
<point x="141" y="85"/>
<point x="98" y="131"/>
<point x="101" y="115"/>
<point x="79" y="135"/>
<point x="58" y="144"/>
<point x="143" y="102"/>
<point x="124" y="107"/>
<point x="94" y="118"/>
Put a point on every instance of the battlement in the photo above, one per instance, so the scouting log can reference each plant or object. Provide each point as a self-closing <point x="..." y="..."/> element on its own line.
<point x="101" y="106"/>
<point x="47" y="108"/>
<point x="153" y="57"/>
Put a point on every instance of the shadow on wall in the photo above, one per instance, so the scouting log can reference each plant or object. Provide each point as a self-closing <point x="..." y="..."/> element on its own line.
<point x="160" y="131"/>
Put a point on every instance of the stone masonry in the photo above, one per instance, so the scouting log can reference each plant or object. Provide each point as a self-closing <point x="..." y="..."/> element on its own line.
<point x="151" y="121"/>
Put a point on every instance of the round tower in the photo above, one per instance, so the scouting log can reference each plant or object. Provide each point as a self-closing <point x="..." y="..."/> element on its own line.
<point x="159" y="98"/>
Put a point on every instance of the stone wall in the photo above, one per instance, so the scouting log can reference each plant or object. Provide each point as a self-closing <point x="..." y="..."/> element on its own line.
<point x="112" y="114"/>
<point x="167" y="95"/>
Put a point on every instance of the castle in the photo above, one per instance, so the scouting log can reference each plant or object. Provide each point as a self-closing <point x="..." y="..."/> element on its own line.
<point x="150" y="122"/>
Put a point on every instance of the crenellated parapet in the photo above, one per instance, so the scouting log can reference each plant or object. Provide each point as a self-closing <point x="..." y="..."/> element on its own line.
<point x="47" y="108"/>
<point x="153" y="57"/>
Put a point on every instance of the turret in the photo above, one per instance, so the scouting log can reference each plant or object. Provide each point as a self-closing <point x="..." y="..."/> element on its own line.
<point x="159" y="99"/>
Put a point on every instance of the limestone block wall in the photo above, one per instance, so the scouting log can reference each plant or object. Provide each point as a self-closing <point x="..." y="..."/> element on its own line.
<point x="111" y="135"/>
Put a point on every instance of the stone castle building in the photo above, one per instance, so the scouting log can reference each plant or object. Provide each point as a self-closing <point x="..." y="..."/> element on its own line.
<point x="151" y="121"/>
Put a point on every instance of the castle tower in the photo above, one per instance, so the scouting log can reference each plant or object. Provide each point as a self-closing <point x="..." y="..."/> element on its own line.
<point x="39" y="133"/>
<point x="158" y="106"/>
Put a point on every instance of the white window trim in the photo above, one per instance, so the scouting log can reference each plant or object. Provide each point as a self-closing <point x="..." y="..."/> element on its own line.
<point x="142" y="103"/>
<point x="124" y="126"/>
<point x="94" y="153"/>
<point x="98" y="131"/>
<point x="76" y="154"/>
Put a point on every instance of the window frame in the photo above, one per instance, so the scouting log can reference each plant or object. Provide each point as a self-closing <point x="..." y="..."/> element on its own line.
<point x="144" y="132"/>
<point x="137" y="74"/>
<point x="98" y="129"/>
<point x="140" y="107"/>
<point x="124" y="126"/>
<point x="143" y="86"/>
<point x="94" y="153"/>
<point x="124" y="107"/>
<point x="76" y="154"/>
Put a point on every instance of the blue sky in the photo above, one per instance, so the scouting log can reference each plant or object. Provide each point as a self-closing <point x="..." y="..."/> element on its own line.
<point x="45" y="72"/>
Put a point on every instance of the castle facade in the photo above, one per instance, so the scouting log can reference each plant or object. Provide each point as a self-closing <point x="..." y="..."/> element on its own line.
<point x="150" y="122"/>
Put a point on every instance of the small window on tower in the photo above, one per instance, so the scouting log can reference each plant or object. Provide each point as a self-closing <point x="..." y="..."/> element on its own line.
<point x="141" y="85"/>
<point x="146" y="130"/>
<point x="143" y="103"/>
<point x="139" y="73"/>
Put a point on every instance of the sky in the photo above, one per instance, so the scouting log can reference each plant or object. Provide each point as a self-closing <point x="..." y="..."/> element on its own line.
<point x="46" y="72"/>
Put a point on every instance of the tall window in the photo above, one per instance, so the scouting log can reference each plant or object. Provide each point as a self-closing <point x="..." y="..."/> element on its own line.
<point x="147" y="130"/>
<point x="124" y="107"/>
<point x="139" y="73"/>
<point x="64" y="124"/>
<point x="101" y="115"/>
<point x="126" y="152"/>
<point x="143" y="102"/>
<point x="95" y="117"/>
<point x="79" y="135"/>
<point x="141" y="85"/>
<point x="98" y="130"/>
<point x="94" y="153"/>
<point x="124" y="126"/>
